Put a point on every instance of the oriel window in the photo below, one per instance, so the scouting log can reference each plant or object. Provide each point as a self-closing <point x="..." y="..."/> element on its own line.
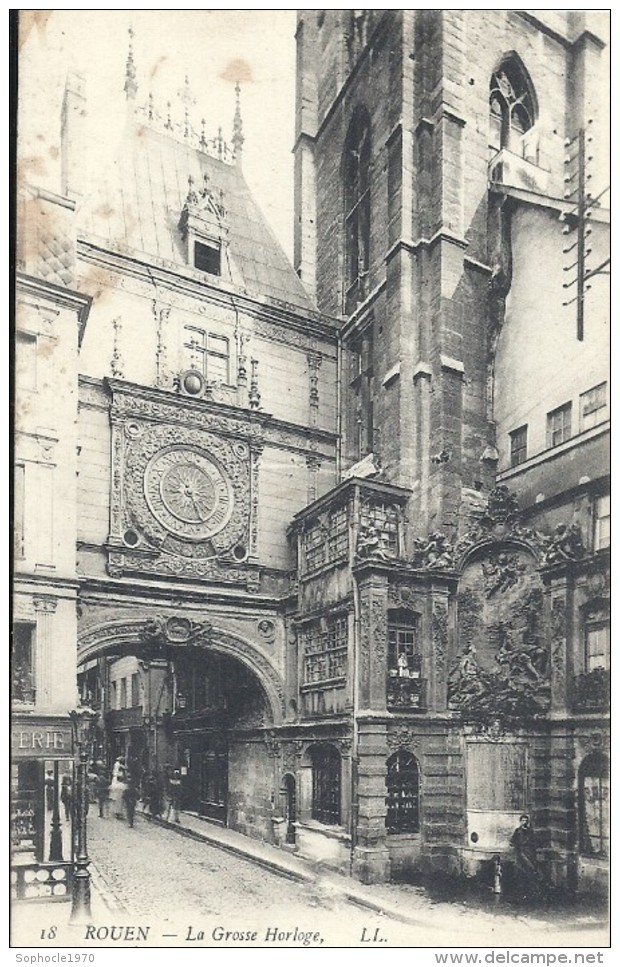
<point x="357" y="209"/>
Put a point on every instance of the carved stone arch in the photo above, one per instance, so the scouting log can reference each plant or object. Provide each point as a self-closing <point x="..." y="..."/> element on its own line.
<point x="497" y="545"/>
<point x="512" y="63"/>
<point x="129" y="636"/>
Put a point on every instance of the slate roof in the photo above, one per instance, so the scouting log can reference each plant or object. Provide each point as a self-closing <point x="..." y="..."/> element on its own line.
<point x="137" y="204"/>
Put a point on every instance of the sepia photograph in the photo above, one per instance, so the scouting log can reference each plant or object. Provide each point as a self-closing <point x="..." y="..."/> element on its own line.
<point x="310" y="636"/>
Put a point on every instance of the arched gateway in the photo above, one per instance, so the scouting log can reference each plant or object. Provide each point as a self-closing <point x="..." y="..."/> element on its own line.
<point x="206" y="698"/>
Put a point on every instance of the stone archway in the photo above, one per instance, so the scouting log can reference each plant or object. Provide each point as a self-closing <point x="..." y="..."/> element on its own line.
<point x="166" y="636"/>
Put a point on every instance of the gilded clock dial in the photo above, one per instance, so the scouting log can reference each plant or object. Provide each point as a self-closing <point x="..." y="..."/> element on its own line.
<point x="187" y="492"/>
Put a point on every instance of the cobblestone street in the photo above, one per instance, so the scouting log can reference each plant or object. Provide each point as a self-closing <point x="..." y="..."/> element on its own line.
<point x="173" y="883"/>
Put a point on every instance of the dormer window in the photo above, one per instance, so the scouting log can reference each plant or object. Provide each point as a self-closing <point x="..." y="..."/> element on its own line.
<point x="207" y="257"/>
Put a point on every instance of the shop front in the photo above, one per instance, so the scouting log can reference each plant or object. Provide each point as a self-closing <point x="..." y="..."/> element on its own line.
<point x="42" y="790"/>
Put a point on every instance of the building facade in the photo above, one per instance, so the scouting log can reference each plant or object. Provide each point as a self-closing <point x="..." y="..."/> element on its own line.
<point x="342" y="531"/>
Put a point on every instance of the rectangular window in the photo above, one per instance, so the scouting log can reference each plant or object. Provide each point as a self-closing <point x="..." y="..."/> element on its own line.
<point x="338" y="537"/>
<point x="380" y="521"/>
<point x="22" y="663"/>
<point x="403" y="656"/>
<point x="123" y="693"/>
<point x="597" y="646"/>
<point x="559" y="425"/>
<point x="209" y="353"/>
<point x="314" y="547"/>
<point x="135" y="690"/>
<point x="593" y="405"/>
<point x="25" y="361"/>
<point x="602" y="522"/>
<point x="518" y="446"/>
<point x="325" y="652"/>
<point x="114" y="695"/>
<point x="19" y="493"/>
<point x="207" y="258"/>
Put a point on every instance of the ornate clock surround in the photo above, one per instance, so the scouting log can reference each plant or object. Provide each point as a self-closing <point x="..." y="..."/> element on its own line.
<point x="184" y="487"/>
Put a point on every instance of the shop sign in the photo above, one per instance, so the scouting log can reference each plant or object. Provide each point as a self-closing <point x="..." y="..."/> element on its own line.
<point x="30" y="740"/>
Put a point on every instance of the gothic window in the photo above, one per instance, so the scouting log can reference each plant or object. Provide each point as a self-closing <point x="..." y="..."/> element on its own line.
<point x="209" y="353"/>
<point x="594" y="805"/>
<point x="325" y="650"/>
<point x="357" y="209"/>
<point x="361" y="393"/>
<point x="403" y="793"/>
<point x="512" y="108"/>
<point x="22" y="663"/>
<point x="559" y="425"/>
<point x="518" y="446"/>
<point x="325" y="784"/>
<point x="593" y="406"/>
<point x="602" y="522"/>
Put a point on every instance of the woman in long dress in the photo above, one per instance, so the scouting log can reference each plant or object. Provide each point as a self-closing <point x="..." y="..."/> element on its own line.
<point x="117" y="787"/>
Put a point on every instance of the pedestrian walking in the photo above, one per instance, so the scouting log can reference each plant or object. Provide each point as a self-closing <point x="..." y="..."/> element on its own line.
<point x="49" y="790"/>
<point x="117" y="786"/>
<point x="102" y="792"/>
<point x="130" y="798"/>
<point x="174" y="796"/>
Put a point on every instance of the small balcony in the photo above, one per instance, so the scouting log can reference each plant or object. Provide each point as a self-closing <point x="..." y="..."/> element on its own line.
<point x="405" y="694"/>
<point x="592" y="691"/>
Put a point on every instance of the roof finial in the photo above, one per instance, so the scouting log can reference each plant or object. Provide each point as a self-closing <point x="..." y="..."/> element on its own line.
<point x="237" y="138"/>
<point x="131" y="86"/>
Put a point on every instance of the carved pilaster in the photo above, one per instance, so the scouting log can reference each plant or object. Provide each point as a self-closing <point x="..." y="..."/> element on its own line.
<point x="439" y="643"/>
<point x="314" y="364"/>
<point x="313" y="463"/>
<point x="257" y="448"/>
<point x="373" y="643"/>
<point x="44" y="606"/>
<point x="558" y="636"/>
<point x="161" y="314"/>
<point x="116" y="496"/>
<point x="116" y="363"/>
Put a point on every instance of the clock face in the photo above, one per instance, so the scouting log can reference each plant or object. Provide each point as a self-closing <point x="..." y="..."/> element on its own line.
<point x="188" y="492"/>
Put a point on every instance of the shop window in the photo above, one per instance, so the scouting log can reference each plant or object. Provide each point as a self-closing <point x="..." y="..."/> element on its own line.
<point x="602" y="522"/>
<point x="207" y="352"/>
<point x="326" y="784"/>
<point x="593" y="406"/>
<point x="511" y="107"/>
<point x="559" y="425"/>
<point x="403" y="793"/>
<point x="22" y="663"/>
<point x="594" y="806"/>
<point x="357" y="209"/>
<point x="518" y="446"/>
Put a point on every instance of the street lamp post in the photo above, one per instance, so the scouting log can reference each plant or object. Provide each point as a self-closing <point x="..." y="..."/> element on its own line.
<point x="80" y="907"/>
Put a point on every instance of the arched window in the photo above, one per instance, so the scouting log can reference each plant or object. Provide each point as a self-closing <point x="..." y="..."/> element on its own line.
<point x="512" y="107"/>
<point x="325" y="784"/>
<point x="403" y="793"/>
<point x="357" y="208"/>
<point x="594" y="805"/>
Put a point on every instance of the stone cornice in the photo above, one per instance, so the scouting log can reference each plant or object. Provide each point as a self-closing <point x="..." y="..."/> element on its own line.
<point x="65" y="298"/>
<point x="309" y="322"/>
